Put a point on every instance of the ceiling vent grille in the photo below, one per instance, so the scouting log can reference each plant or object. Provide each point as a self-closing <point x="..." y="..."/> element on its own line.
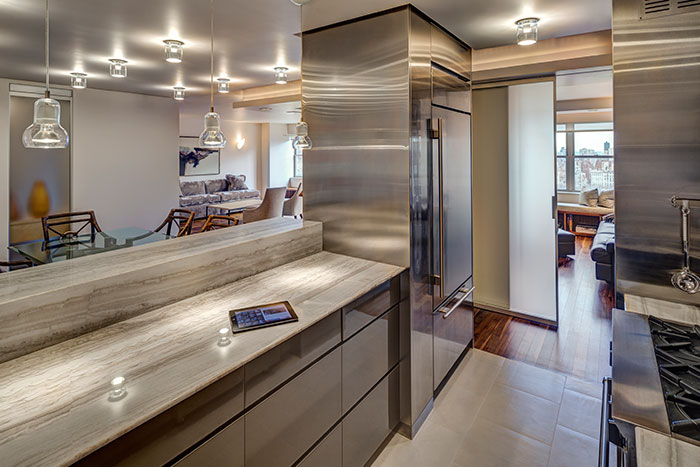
<point x="656" y="8"/>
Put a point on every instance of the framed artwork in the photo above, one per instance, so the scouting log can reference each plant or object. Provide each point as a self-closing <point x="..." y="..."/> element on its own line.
<point x="197" y="161"/>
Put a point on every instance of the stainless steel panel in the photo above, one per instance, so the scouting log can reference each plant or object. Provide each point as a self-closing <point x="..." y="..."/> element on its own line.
<point x="446" y="51"/>
<point x="450" y="91"/>
<point x="355" y="98"/>
<point x="368" y="355"/>
<point x="452" y="333"/>
<point x="367" y="308"/>
<point x="656" y="76"/>
<point x="177" y="429"/>
<point x="371" y="421"/>
<point x="637" y="395"/>
<point x="283" y="426"/>
<point x="452" y="201"/>
<point x="225" y="448"/>
<point x="328" y="453"/>
<point x="275" y="366"/>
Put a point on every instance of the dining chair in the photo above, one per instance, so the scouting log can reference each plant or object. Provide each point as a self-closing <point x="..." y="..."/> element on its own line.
<point x="15" y="264"/>
<point x="216" y="221"/>
<point x="51" y="224"/>
<point x="293" y="205"/>
<point x="181" y="218"/>
<point x="271" y="206"/>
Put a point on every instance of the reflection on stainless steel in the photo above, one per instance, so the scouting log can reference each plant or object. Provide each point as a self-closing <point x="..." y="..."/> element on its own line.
<point x="369" y="175"/>
<point x="656" y="65"/>
<point x="685" y="279"/>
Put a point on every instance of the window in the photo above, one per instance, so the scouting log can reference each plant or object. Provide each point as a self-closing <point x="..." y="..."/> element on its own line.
<point x="298" y="163"/>
<point x="585" y="156"/>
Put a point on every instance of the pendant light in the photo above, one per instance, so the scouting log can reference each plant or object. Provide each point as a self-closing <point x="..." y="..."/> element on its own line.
<point x="301" y="139"/>
<point x="46" y="131"/>
<point x="212" y="137"/>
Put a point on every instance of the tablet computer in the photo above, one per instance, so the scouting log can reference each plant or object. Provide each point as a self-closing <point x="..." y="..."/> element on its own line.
<point x="247" y="319"/>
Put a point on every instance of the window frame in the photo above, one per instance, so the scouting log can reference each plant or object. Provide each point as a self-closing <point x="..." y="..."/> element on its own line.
<point x="571" y="156"/>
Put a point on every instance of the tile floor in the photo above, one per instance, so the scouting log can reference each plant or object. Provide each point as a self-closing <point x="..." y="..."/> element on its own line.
<point x="499" y="412"/>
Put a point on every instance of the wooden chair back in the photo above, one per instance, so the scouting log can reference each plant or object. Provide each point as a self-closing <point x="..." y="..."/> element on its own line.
<point x="181" y="218"/>
<point x="14" y="264"/>
<point x="76" y="222"/>
<point x="215" y="221"/>
<point x="271" y="206"/>
<point x="292" y="206"/>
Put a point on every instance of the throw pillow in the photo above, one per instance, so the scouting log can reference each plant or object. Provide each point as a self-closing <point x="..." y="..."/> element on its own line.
<point x="236" y="182"/>
<point x="191" y="188"/>
<point x="589" y="197"/>
<point x="607" y="199"/>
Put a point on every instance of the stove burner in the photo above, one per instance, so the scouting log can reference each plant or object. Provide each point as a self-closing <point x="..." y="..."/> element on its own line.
<point x="677" y="349"/>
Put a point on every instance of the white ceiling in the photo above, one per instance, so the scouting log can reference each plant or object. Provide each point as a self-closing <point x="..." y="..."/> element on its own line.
<point x="584" y="84"/>
<point x="252" y="36"/>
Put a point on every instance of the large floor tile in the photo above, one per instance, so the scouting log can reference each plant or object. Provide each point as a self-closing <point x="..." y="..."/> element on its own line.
<point x="457" y="409"/>
<point x="584" y="387"/>
<point x="489" y="444"/>
<point x="581" y="413"/>
<point x="531" y="379"/>
<point x="573" y="449"/>
<point x="521" y="412"/>
<point x="475" y="375"/>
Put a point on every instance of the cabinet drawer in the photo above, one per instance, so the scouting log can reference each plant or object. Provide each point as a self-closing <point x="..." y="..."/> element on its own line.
<point x="328" y="453"/>
<point x="366" y="427"/>
<point x="275" y="366"/>
<point x="225" y="448"/>
<point x="365" y="309"/>
<point x="287" y="423"/>
<point x="368" y="355"/>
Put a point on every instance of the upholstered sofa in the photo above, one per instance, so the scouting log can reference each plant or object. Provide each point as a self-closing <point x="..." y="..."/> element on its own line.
<point x="603" y="252"/>
<point x="195" y="195"/>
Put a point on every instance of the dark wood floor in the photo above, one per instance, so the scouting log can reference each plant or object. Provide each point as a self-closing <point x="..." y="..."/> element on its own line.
<point x="580" y="346"/>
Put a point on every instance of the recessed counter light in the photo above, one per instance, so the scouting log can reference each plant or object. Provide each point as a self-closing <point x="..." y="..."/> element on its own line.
<point x="281" y="74"/>
<point x="78" y="80"/>
<point x="179" y="93"/>
<point x="117" y="68"/>
<point x="527" y="31"/>
<point x="174" y="50"/>
<point x="223" y="337"/>
<point x="223" y="85"/>
<point x="117" y="388"/>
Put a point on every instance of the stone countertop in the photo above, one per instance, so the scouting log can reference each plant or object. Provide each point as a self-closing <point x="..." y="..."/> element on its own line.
<point x="54" y="402"/>
<point x="655" y="449"/>
<point x="678" y="312"/>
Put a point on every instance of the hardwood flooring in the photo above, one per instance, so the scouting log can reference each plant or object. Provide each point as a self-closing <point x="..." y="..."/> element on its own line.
<point x="580" y="346"/>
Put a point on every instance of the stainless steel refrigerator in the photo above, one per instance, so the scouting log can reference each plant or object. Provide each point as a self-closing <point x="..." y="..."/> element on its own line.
<point x="388" y="101"/>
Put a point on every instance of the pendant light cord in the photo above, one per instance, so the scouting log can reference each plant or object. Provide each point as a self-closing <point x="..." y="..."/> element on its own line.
<point x="211" y="79"/>
<point x="46" y="32"/>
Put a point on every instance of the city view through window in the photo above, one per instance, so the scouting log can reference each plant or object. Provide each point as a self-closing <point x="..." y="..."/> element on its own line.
<point x="591" y="157"/>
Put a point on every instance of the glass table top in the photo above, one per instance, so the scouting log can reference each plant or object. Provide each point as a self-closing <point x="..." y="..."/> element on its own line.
<point x="40" y="252"/>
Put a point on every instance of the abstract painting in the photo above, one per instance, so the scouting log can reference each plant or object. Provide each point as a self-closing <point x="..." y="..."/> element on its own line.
<point x="195" y="160"/>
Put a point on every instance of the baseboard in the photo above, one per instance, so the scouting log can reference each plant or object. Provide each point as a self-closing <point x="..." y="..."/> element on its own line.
<point x="532" y="319"/>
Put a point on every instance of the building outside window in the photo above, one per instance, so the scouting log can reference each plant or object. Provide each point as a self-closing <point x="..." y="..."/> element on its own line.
<point x="585" y="156"/>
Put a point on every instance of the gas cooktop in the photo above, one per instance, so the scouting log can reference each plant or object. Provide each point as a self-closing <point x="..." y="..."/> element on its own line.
<point x="677" y="349"/>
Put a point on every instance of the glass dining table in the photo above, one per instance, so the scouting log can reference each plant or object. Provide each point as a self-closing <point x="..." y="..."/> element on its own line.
<point x="57" y="249"/>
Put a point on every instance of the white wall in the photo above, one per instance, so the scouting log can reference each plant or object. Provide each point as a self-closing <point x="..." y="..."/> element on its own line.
<point x="281" y="155"/>
<point x="233" y="160"/>
<point x="124" y="155"/>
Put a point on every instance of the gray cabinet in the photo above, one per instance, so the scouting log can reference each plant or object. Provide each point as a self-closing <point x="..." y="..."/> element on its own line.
<point x="328" y="453"/>
<point x="224" y="448"/>
<point x="367" y="308"/>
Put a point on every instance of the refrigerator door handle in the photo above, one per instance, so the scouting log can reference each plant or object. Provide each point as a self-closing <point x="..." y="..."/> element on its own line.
<point x="446" y="314"/>
<point x="441" y="246"/>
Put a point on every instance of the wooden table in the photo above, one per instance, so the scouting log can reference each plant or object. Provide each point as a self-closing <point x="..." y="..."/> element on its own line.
<point x="234" y="206"/>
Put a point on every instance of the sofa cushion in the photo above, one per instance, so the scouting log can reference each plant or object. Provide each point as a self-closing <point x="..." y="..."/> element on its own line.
<point x="216" y="185"/>
<point x="607" y="199"/>
<point x="188" y="188"/>
<point x="213" y="198"/>
<point x="192" y="200"/>
<point x="236" y="182"/>
<point x="603" y="246"/>
<point x="239" y="194"/>
<point x="588" y="197"/>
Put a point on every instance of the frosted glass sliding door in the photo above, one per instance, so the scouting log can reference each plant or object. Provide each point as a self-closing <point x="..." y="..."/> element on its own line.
<point x="532" y="239"/>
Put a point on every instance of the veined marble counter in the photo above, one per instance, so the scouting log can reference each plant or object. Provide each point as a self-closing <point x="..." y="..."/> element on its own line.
<point x="655" y="449"/>
<point x="54" y="402"/>
<point x="678" y="312"/>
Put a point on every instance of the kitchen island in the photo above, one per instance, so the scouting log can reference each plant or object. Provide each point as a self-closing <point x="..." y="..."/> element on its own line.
<point x="185" y="391"/>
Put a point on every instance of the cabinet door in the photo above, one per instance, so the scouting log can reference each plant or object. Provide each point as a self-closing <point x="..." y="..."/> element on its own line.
<point x="328" y="453"/>
<point x="452" y="333"/>
<point x="225" y="448"/>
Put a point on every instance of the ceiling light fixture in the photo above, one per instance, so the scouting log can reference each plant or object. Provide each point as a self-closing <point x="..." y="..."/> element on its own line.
<point x="78" y="80"/>
<point x="223" y="85"/>
<point x="179" y="93"/>
<point x="281" y="74"/>
<point x="302" y="140"/>
<point x="527" y="31"/>
<point x="117" y="68"/>
<point x="174" y="50"/>
<point x="212" y="137"/>
<point x="46" y="131"/>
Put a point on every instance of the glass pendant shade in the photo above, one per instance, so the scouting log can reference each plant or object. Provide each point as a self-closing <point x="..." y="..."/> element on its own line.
<point x="174" y="51"/>
<point x="46" y="131"/>
<point x="212" y="137"/>
<point x="223" y="85"/>
<point x="527" y="31"/>
<point x="302" y="140"/>
<point x="117" y="68"/>
<point x="179" y="93"/>
<point x="281" y="75"/>
<point x="78" y="80"/>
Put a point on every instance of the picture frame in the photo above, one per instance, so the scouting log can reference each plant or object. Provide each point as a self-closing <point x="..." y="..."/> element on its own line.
<point x="195" y="161"/>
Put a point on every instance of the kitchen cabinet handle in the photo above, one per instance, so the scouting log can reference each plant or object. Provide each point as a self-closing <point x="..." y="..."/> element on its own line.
<point x="447" y="313"/>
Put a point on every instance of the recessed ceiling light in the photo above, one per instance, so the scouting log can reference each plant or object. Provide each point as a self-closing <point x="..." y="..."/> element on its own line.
<point x="527" y="31"/>
<point x="179" y="93"/>
<point x="265" y="109"/>
<point x="281" y="74"/>
<point x="293" y="111"/>
<point x="174" y="50"/>
<point x="223" y="85"/>
<point x="117" y="68"/>
<point x="78" y="80"/>
<point x="300" y="2"/>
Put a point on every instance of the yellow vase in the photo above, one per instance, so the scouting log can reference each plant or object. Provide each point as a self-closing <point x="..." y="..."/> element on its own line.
<point x="39" y="203"/>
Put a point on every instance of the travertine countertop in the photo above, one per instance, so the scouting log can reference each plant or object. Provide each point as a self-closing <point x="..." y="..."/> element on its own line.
<point x="678" y="312"/>
<point x="655" y="449"/>
<point x="54" y="402"/>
